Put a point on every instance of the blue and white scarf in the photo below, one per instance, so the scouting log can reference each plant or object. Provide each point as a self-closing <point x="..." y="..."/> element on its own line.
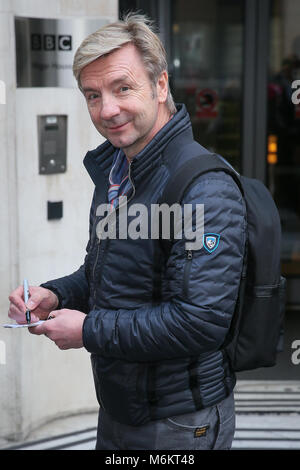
<point x="119" y="183"/>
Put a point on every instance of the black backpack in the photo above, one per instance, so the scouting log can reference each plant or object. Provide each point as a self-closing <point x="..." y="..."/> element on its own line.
<point x="256" y="332"/>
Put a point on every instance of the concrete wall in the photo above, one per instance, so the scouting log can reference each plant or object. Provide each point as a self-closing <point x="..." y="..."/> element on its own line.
<point x="38" y="381"/>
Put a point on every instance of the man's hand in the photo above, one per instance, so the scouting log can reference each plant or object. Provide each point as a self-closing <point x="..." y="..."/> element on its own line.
<point x="65" y="328"/>
<point x="41" y="302"/>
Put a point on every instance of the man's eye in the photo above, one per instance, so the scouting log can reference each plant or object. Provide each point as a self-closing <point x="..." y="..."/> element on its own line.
<point x="92" y="96"/>
<point x="124" y="88"/>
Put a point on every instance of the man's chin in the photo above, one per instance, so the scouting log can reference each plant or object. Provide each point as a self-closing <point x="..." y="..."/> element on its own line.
<point x="120" y="143"/>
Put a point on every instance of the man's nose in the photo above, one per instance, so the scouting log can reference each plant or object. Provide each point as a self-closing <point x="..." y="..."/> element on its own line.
<point x="109" y="108"/>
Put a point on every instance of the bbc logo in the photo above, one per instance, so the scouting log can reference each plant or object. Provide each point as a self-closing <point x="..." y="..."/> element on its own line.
<point x="51" y="42"/>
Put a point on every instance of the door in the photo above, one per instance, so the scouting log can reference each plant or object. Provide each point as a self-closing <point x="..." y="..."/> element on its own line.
<point x="206" y="71"/>
<point x="283" y="163"/>
<point x="233" y="63"/>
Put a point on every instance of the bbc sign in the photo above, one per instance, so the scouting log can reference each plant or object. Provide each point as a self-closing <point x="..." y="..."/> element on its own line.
<point x="45" y="49"/>
<point x="51" y="42"/>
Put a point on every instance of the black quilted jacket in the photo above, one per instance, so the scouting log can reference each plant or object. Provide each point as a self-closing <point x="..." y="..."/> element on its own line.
<point x="155" y="326"/>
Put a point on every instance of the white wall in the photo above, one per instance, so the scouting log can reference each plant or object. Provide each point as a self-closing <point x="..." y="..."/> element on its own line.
<point x="38" y="381"/>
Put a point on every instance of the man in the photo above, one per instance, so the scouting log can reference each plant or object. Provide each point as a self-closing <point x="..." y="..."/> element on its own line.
<point x="154" y="326"/>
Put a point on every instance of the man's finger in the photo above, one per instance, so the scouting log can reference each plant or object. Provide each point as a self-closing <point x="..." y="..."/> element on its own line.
<point x="17" y="298"/>
<point x="34" y="300"/>
<point x="39" y="329"/>
<point x="53" y="314"/>
<point x="19" y="315"/>
<point x="15" y="311"/>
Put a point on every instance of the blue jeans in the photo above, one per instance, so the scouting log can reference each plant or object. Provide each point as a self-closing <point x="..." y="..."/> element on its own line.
<point x="210" y="428"/>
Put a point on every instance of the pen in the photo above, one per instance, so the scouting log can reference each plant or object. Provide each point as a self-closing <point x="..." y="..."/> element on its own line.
<point x="26" y="297"/>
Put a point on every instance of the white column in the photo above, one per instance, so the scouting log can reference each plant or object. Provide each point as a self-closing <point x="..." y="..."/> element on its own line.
<point x="38" y="381"/>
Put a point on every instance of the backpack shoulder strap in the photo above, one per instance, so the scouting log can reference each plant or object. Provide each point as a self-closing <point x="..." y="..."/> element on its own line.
<point x="190" y="171"/>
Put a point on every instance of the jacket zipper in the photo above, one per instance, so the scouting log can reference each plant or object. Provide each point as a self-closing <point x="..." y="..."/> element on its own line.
<point x="107" y="242"/>
<point x="94" y="272"/>
<point x="186" y="273"/>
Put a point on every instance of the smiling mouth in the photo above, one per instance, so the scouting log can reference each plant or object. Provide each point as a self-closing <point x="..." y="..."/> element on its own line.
<point x="117" y="128"/>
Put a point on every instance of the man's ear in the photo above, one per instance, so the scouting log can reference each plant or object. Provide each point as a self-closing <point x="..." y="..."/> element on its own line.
<point x="162" y="87"/>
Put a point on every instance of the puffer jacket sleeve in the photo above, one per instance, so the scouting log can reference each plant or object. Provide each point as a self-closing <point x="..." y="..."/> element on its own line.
<point x="197" y="318"/>
<point x="73" y="290"/>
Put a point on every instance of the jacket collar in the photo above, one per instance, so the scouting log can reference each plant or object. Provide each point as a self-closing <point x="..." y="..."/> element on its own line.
<point x="98" y="162"/>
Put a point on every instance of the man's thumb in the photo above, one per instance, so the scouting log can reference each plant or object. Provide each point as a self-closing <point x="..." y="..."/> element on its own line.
<point x="33" y="302"/>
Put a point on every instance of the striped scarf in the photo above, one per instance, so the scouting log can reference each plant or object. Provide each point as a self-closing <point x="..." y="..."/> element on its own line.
<point x="119" y="184"/>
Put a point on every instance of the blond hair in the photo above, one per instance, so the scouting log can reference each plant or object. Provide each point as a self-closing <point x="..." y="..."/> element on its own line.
<point x="133" y="28"/>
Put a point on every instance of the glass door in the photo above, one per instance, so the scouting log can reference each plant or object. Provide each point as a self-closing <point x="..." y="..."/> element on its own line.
<point x="283" y="159"/>
<point x="206" y="71"/>
<point x="233" y="63"/>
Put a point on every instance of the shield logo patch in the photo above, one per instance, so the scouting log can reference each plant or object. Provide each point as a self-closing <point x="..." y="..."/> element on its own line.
<point x="211" y="241"/>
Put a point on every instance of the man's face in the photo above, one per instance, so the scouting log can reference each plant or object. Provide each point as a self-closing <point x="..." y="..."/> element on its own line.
<point x="123" y="104"/>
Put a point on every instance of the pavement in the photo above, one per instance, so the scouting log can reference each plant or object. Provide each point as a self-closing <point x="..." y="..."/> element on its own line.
<point x="267" y="417"/>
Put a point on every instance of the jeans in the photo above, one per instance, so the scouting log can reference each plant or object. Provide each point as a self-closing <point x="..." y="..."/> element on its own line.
<point x="210" y="428"/>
